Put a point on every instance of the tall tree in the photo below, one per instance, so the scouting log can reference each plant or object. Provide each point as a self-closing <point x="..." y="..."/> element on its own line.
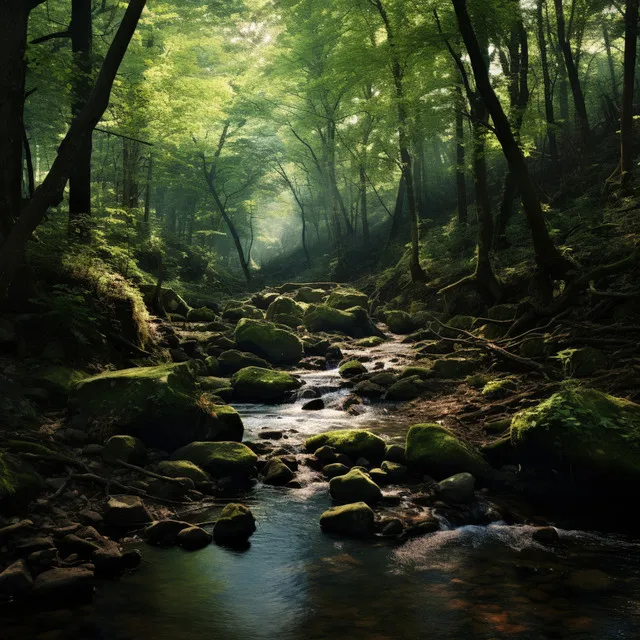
<point x="626" y="118"/>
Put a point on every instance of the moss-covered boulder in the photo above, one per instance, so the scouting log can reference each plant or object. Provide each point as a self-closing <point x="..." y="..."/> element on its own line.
<point x="182" y="469"/>
<point x="351" y="520"/>
<point x="354" y="443"/>
<point x="235" y="313"/>
<point x="404" y="390"/>
<point x="309" y="295"/>
<point x="354" y="322"/>
<point x="434" y="450"/>
<point x="160" y="405"/>
<point x="220" y="459"/>
<point x="457" y="489"/>
<point x="171" y="301"/>
<point x="235" y="525"/>
<point x="224" y="423"/>
<point x="19" y="482"/>
<point x="214" y="383"/>
<point x="371" y="341"/>
<point x="499" y="388"/>
<point x="265" y="339"/>
<point x="347" y="299"/>
<point x="263" y="299"/>
<point x="57" y="380"/>
<point x="125" y="448"/>
<point x="455" y="367"/>
<point x="582" y="362"/>
<point x="276" y="473"/>
<point x="399" y="322"/>
<point x="233" y="360"/>
<point x="255" y="384"/>
<point x="284" y="305"/>
<point x="462" y="322"/>
<point x="584" y="431"/>
<point x="203" y="314"/>
<point x="292" y="322"/>
<point x="422" y="371"/>
<point x="351" y="369"/>
<point x="354" y="486"/>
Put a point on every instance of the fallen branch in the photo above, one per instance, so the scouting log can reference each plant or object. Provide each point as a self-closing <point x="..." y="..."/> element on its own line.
<point x="146" y="472"/>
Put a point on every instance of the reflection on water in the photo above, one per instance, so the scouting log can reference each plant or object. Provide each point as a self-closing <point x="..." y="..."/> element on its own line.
<point x="294" y="583"/>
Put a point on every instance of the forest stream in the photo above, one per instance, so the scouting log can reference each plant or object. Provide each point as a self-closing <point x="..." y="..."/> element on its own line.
<point x="293" y="582"/>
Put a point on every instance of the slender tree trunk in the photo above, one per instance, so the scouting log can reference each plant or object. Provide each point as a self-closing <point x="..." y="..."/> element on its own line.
<point x="399" y="210"/>
<point x="626" y="119"/>
<point x="31" y="183"/>
<point x="147" y="192"/>
<point x="364" y="206"/>
<point x="546" y="85"/>
<point x="50" y="192"/>
<point x="612" y="72"/>
<point x="572" y="74"/>
<point x="461" y="183"/>
<point x="14" y="16"/>
<point x="80" y="178"/>
<point x="549" y="259"/>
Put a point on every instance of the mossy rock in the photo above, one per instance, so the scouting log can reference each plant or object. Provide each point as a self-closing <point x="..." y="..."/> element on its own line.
<point x="235" y="525"/>
<point x="434" y="450"/>
<point x="384" y="378"/>
<point x="234" y="360"/>
<point x="354" y="443"/>
<point x="19" y="482"/>
<point x="371" y="341"/>
<point x="24" y="446"/>
<point x="491" y="331"/>
<point x="255" y="384"/>
<point x="368" y="389"/>
<point x="268" y="341"/>
<point x="497" y="426"/>
<point x="125" y="448"/>
<point x="220" y="459"/>
<point x="582" y="431"/>
<point x="203" y="314"/>
<point x="309" y="295"/>
<point x="284" y="305"/>
<point x="462" y="322"/>
<point x="351" y="369"/>
<point x="214" y="383"/>
<point x="57" y="379"/>
<point x="582" y="362"/>
<point x="316" y="347"/>
<point x="455" y="367"/>
<point x="347" y="299"/>
<point x="182" y="469"/>
<point x="160" y="405"/>
<point x="535" y="347"/>
<point x="287" y="320"/>
<point x="354" y="322"/>
<point x="499" y="388"/>
<point x="404" y="390"/>
<point x="434" y="347"/>
<point x="352" y="520"/>
<point x="354" y="486"/>
<point x="238" y="312"/>
<point x="172" y="302"/>
<point x="224" y="423"/>
<point x="421" y="371"/>
<point x="503" y="312"/>
<point x="263" y="299"/>
<point x="399" y="322"/>
<point x="212" y="365"/>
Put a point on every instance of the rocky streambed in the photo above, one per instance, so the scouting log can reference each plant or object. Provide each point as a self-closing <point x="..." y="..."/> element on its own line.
<point x="352" y="508"/>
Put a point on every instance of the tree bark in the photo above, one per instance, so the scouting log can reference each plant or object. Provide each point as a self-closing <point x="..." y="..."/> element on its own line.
<point x="80" y="178"/>
<point x="51" y="191"/>
<point x="572" y="74"/>
<point x="549" y="259"/>
<point x="626" y="119"/>
<point x="546" y="85"/>
<point x="461" y="183"/>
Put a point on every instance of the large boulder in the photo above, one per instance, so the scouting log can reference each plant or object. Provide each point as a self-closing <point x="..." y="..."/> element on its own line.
<point x="182" y="469"/>
<point x="15" y="580"/>
<point x="165" y="532"/>
<point x="69" y="584"/>
<point x="354" y="443"/>
<point x="354" y="486"/>
<point x="265" y="339"/>
<point x="353" y="520"/>
<point x="220" y="459"/>
<point x="233" y="360"/>
<point x="285" y="306"/>
<point x="171" y="301"/>
<point x="276" y="473"/>
<point x="125" y="512"/>
<point x="235" y="525"/>
<point x="224" y="423"/>
<point x="194" y="538"/>
<point x="203" y="314"/>
<point x="457" y="489"/>
<point x="309" y="295"/>
<point x="236" y="312"/>
<point x="434" y="450"/>
<point x="351" y="369"/>
<point x="160" y="405"/>
<point x="584" y="432"/>
<point x="255" y="384"/>
<point x="125" y="448"/>
<point x="354" y="322"/>
<point x="347" y="299"/>
<point x="399" y="322"/>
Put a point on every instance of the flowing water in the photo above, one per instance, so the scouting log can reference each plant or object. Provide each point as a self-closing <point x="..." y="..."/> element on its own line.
<point x="295" y="583"/>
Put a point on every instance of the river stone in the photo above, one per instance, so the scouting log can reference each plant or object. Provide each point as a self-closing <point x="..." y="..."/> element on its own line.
<point x="235" y="525"/>
<point x="309" y="295"/>
<point x="15" y="580"/>
<point x="68" y="583"/>
<point x="276" y="473"/>
<point x="403" y="390"/>
<point x="111" y="562"/>
<point x="379" y="476"/>
<point x="347" y="299"/>
<point x="354" y="486"/>
<point x="457" y="489"/>
<point x="368" y="389"/>
<point x="220" y="459"/>
<point x="546" y="535"/>
<point x="354" y="322"/>
<point x="225" y="424"/>
<point x="352" y="520"/>
<point x="399" y="322"/>
<point x="396" y="472"/>
<point x="268" y="341"/>
<point x="355" y="443"/>
<point x="182" y="469"/>
<point x="335" y="469"/>
<point x="233" y="360"/>
<point x="395" y="453"/>
<point x="317" y="404"/>
<point x="454" y="367"/>
<point x="194" y="538"/>
<point x="165" y="532"/>
<point x="326" y="454"/>
<point x="351" y="369"/>
<point x="125" y="448"/>
<point x="284" y="305"/>
<point x="434" y="450"/>
<point x="127" y="512"/>
<point x="73" y="544"/>
<point x="255" y="384"/>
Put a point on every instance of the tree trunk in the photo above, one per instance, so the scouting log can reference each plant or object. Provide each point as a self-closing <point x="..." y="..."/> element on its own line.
<point x="461" y="183"/>
<point x="399" y="210"/>
<point x="14" y="16"/>
<point x="51" y="191"/>
<point x="626" y="119"/>
<point x="549" y="259"/>
<point x="572" y="74"/>
<point x="612" y="72"/>
<point x="147" y="192"/>
<point x="546" y="85"/>
<point x="363" y="206"/>
<point x="80" y="178"/>
<point x="130" y="161"/>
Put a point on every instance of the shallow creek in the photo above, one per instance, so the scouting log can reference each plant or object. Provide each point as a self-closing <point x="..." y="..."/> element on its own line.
<point x="296" y="583"/>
